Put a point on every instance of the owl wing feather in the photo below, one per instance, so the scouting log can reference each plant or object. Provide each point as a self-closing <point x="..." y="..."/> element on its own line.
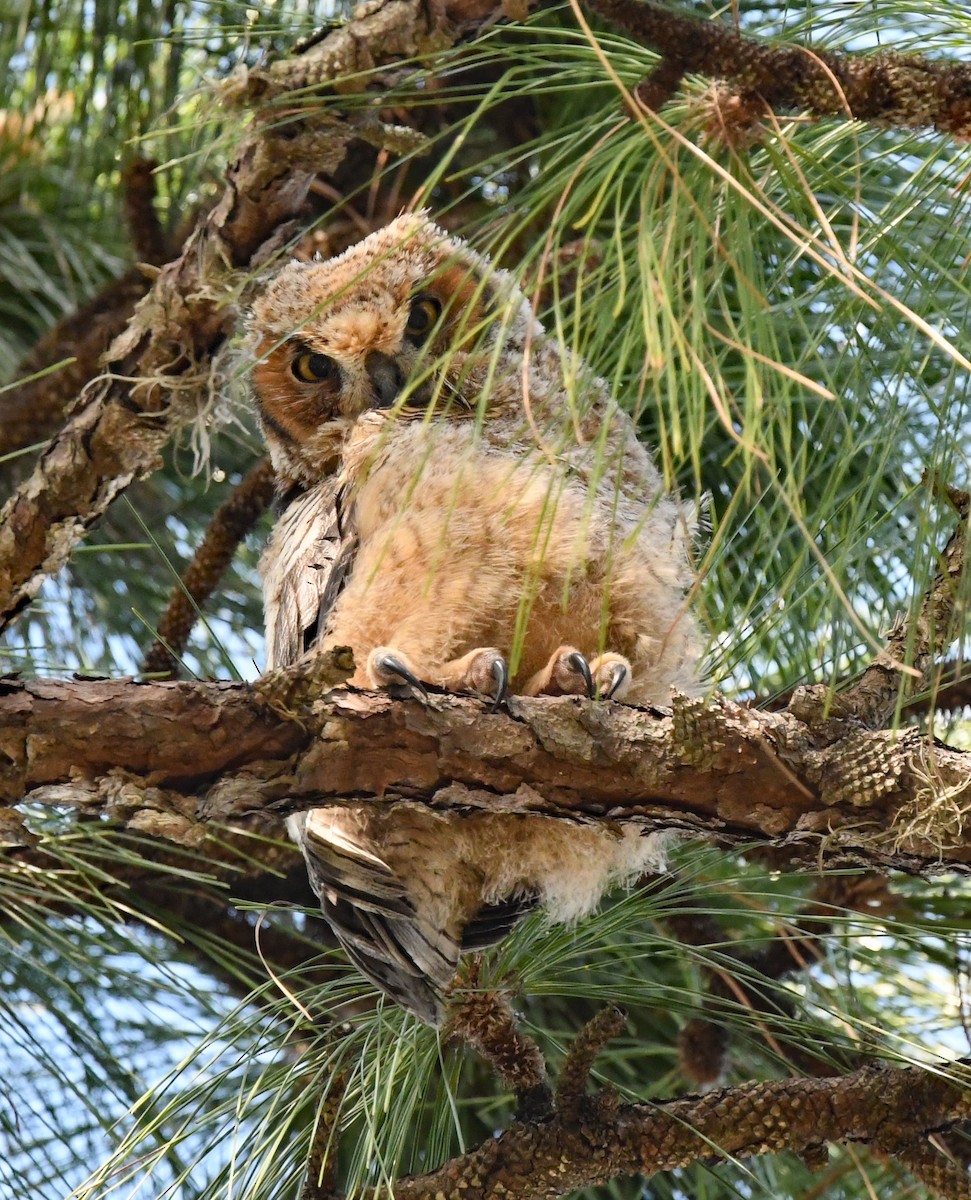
<point x="305" y="569"/>
<point x="493" y="921"/>
<point x="369" y="910"/>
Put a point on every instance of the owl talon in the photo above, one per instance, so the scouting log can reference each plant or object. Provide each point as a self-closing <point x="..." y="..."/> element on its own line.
<point x="566" y="674"/>
<point x="578" y="663"/>
<point x="618" y="675"/>
<point x="500" y="673"/>
<point x="612" y="675"/>
<point x="384" y="666"/>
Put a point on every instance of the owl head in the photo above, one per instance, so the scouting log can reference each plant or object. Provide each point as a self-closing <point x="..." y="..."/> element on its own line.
<point x="409" y="320"/>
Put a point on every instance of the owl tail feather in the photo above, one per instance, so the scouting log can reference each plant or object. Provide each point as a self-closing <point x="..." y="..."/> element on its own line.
<point x="387" y="933"/>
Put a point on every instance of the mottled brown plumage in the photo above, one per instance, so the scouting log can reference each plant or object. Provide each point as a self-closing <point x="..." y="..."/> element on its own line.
<point x="471" y="508"/>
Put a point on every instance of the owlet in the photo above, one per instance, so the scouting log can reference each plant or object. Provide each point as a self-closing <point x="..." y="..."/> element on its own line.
<point x="465" y="506"/>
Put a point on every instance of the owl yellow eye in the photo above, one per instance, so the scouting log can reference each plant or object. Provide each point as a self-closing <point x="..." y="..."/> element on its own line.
<point x="309" y="367"/>
<point x="424" y="312"/>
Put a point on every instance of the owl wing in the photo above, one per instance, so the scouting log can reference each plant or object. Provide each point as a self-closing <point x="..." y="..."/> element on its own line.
<point x="305" y="568"/>
<point x="370" y="912"/>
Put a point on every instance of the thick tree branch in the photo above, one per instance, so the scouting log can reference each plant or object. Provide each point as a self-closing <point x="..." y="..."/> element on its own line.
<point x="171" y="758"/>
<point x="949" y="690"/>
<point x="35" y="408"/>
<point x="886" y="1106"/>
<point x="888" y="88"/>
<point x="157" y="375"/>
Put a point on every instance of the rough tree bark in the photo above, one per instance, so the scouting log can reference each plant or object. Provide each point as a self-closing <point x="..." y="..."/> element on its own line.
<point x="191" y="763"/>
<point x="173" y="758"/>
<point x="157" y="374"/>
<point x="605" y="1139"/>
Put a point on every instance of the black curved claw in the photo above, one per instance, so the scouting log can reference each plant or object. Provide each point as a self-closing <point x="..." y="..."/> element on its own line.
<point x="394" y="666"/>
<point x="500" y="673"/>
<point x="578" y="663"/>
<point x="618" y="674"/>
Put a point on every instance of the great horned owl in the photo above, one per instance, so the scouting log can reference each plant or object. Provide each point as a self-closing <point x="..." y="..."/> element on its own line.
<point x="464" y="506"/>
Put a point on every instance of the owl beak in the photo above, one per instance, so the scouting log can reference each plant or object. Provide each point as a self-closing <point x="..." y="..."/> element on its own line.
<point x="385" y="376"/>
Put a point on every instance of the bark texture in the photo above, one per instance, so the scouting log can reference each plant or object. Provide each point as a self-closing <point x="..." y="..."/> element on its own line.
<point x="157" y="375"/>
<point x="886" y="1106"/>
<point x="172" y="758"/>
<point x="887" y="88"/>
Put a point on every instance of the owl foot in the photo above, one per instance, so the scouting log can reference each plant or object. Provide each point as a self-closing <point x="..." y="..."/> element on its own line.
<point x="566" y="674"/>
<point x="612" y="676"/>
<point x="483" y="670"/>
<point x="386" y="667"/>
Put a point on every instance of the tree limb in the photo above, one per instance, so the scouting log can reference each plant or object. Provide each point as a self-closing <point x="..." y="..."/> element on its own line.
<point x="233" y="520"/>
<point x="885" y="1105"/>
<point x="887" y="87"/>
<point x="872" y="697"/>
<point x="67" y="357"/>
<point x="156" y="379"/>
<point x="948" y="691"/>
<point x="170" y="759"/>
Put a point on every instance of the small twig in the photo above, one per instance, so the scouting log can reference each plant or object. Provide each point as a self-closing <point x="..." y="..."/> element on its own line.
<point x="486" y="1022"/>
<point x="321" y="1179"/>
<point x="661" y="85"/>
<point x="871" y="699"/>
<point x="703" y="1047"/>
<point x="231" y="523"/>
<point x="587" y="1045"/>
<point x="873" y="696"/>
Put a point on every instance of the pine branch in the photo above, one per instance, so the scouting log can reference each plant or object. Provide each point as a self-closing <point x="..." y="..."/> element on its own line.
<point x="156" y="377"/>
<point x="887" y="88"/>
<point x="873" y="697"/>
<point x="746" y="976"/>
<point x="32" y="411"/>
<point x="928" y="1165"/>
<point x="870" y="699"/>
<point x="169" y="759"/>
<point x="485" y="1021"/>
<point x="948" y="690"/>
<point x="321" y="1178"/>
<point x="609" y="1140"/>
<point x="571" y="1099"/>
